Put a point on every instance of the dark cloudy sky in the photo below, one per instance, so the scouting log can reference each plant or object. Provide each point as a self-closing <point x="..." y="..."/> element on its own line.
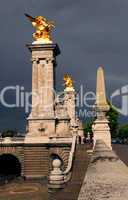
<point x="89" y="33"/>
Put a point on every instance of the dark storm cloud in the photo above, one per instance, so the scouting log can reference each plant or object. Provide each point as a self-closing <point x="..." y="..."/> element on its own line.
<point x="88" y="32"/>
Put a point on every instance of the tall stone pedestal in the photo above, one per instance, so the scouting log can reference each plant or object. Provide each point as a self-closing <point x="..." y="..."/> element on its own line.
<point x="70" y="104"/>
<point x="101" y="131"/>
<point x="41" y="121"/>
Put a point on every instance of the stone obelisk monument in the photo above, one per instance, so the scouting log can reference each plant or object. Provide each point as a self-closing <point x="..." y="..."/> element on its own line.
<point x="100" y="127"/>
<point x="41" y="121"/>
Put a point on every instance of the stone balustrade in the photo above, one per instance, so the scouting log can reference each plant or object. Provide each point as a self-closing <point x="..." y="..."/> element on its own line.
<point x="67" y="172"/>
<point x="58" y="177"/>
<point x="106" y="177"/>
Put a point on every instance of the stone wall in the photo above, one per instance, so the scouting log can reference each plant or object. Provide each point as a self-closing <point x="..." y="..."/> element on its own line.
<point x="35" y="159"/>
<point x="17" y="151"/>
<point x="106" y="177"/>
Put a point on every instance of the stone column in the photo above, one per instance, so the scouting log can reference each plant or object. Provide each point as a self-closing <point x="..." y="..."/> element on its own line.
<point x="80" y="131"/>
<point x="41" y="88"/>
<point x="41" y="120"/>
<point x="70" y="104"/>
<point x="49" y="87"/>
<point x="34" y="87"/>
<point x="100" y="127"/>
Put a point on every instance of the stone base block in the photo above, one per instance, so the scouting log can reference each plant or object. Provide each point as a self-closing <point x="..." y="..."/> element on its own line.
<point x="101" y="131"/>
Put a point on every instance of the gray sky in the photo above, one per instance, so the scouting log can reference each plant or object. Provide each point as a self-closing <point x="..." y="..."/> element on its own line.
<point x="88" y="32"/>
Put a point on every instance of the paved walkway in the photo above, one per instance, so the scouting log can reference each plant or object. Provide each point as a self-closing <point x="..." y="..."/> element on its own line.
<point x="23" y="191"/>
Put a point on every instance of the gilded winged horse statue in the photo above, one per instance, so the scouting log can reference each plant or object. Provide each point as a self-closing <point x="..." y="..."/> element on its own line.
<point x="43" y="28"/>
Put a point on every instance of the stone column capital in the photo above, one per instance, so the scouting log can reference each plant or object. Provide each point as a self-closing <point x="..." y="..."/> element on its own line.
<point x="49" y="60"/>
<point x="34" y="60"/>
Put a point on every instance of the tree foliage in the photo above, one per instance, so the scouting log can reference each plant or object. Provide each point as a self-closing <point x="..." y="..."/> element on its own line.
<point x="123" y="132"/>
<point x="113" y="116"/>
<point x="9" y="133"/>
<point x="88" y="127"/>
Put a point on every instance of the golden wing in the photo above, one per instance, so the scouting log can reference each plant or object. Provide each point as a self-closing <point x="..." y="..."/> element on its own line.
<point x="51" y="24"/>
<point x="31" y="19"/>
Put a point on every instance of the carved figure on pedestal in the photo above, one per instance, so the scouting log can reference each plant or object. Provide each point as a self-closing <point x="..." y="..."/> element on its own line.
<point x="43" y="28"/>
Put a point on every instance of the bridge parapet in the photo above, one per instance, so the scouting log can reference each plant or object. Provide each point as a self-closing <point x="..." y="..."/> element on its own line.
<point x="106" y="177"/>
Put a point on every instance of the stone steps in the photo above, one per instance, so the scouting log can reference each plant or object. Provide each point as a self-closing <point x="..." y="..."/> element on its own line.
<point x="36" y="161"/>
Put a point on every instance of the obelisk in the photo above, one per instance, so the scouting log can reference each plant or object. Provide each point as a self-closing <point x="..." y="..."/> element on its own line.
<point x="101" y="101"/>
<point x="100" y="127"/>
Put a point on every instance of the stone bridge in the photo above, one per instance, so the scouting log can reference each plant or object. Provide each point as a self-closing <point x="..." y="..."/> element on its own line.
<point x="34" y="159"/>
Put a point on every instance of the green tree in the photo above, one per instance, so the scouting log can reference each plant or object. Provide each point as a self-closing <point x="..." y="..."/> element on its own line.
<point x="88" y="127"/>
<point x="113" y="116"/>
<point x="123" y="132"/>
<point x="9" y="133"/>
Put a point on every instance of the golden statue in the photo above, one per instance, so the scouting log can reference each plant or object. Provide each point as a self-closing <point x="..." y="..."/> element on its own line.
<point x="43" y="28"/>
<point x="68" y="82"/>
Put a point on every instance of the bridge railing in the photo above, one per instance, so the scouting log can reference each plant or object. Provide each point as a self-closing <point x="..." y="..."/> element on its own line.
<point x="106" y="176"/>
<point x="67" y="172"/>
<point x="58" y="177"/>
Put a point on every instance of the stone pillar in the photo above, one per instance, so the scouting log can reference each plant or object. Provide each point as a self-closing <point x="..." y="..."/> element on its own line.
<point x="100" y="126"/>
<point x="80" y="131"/>
<point x="70" y="104"/>
<point x="35" y="86"/>
<point x="62" y="121"/>
<point x="41" y="120"/>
